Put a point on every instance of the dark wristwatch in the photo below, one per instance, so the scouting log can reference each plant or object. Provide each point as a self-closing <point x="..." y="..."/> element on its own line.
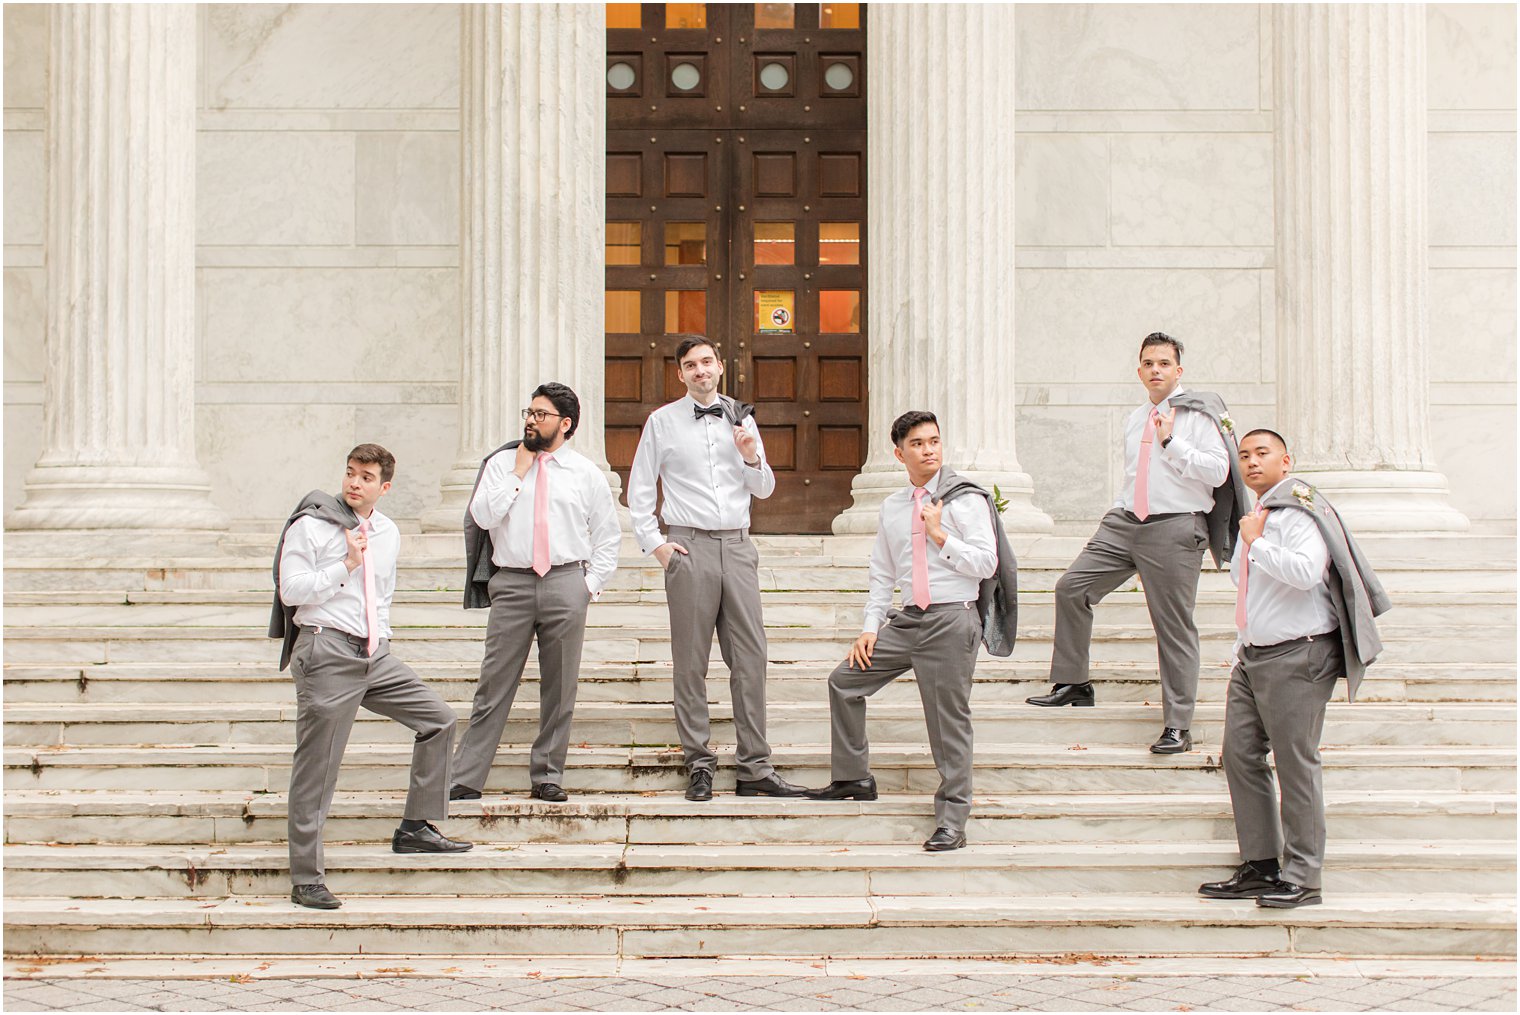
<point x="1167" y="441"/>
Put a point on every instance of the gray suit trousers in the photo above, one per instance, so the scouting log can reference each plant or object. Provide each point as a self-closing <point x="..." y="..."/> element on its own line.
<point x="715" y="585"/>
<point x="1276" y="702"/>
<point x="333" y="679"/>
<point x="523" y="605"/>
<point x="1167" y="551"/>
<point x="940" y="645"/>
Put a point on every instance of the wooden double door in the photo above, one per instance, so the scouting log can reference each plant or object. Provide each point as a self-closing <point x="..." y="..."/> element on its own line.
<point x="739" y="214"/>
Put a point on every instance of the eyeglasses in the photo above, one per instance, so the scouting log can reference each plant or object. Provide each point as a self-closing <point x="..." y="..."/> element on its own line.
<point x="539" y="415"/>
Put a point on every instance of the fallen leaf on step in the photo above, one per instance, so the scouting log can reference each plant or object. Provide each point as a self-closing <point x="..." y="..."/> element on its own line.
<point x="1076" y="747"/>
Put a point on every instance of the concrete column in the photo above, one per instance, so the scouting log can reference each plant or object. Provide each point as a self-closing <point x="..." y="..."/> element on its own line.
<point x="119" y="378"/>
<point x="1352" y="262"/>
<point x="533" y="116"/>
<point x="940" y="166"/>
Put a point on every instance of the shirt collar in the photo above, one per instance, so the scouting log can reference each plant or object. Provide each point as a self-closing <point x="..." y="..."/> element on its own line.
<point x="1165" y="401"/>
<point x="1286" y="479"/>
<point x="932" y="486"/>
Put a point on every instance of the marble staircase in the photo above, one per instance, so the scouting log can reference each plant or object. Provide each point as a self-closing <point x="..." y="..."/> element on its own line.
<point x="147" y="739"/>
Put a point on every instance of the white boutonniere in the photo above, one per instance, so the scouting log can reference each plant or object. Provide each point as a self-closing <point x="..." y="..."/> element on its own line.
<point x="1228" y="423"/>
<point x="1304" y="495"/>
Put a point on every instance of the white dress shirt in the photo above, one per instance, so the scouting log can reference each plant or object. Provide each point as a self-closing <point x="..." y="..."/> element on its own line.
<point x="703" y="476"/>
<point x="1287" y="591"/>
<point x="1184" y="474"/>
<point x="316" y="581"/>
<point x="583" y="521"/>
<point x="956" y="569"/>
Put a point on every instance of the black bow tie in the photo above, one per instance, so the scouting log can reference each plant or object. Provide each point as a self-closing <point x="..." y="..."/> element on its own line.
<point x="716" y="409"/>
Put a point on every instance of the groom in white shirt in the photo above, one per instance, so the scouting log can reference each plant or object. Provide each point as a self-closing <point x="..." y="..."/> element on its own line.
<point x="704" y="451"/>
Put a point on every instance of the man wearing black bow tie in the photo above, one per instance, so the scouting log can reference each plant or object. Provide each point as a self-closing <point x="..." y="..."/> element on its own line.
<point x="705" y="452"/>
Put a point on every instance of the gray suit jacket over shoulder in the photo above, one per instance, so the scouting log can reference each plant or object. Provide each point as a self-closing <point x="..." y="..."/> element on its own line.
<point x="1355" y="590"/>
<point x="478" y="548"/>
<point x="317" y="504"/>
<point x="1231" y="498"/>
<point x="998" y="602"/>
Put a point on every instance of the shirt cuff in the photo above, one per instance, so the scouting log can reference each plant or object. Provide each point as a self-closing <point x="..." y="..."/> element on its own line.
<point x="1261" y="541"/>
<point x="338" y="573"/>
<point x="954" y="548"/>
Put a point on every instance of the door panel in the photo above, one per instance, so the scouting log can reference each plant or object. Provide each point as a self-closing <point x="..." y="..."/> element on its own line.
<point x="751" y="231"/>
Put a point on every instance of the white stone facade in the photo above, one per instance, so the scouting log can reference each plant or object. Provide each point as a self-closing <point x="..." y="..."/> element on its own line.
<point x="328" y="304"/>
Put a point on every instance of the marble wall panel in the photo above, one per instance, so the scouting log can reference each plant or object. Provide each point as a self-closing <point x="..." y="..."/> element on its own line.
<point x="1472" y="190"/>
<point x="23" y="443"/>
<point x="274" y="187"/>
<point x="330" y="56"/>
<point x="1471" y="56"/>
<point x="1067" y="451"/>
<point x="408" y="188"/>
<point x="262" y="458"/>
<point x="25" y="323"/>
<point x="1138" y="56"/>
<point x="25" y="187"/>
<point x="1061" y="190"/>
<point x="1481" y="471"/>
<point x="1085" y="326"/>
<point x="332" y="324"/>
<point x="1200" y="190"/>
<point x="1472" y="325"/>
<point x="425" y="441"/>
<point x="25" y="55"/>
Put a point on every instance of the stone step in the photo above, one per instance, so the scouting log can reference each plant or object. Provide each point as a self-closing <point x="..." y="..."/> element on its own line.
<point x="628" y="725"/>
<point x="1119" y="868"/>
<point x="902" y="767"/>
<point x="1349" y="925"/>
<point x="221" y="818"/>
<point x="997" y="681"/>
<point x="1115" y="643"/>
<point x="648" y="609"/>
<point x="777" y="573"/>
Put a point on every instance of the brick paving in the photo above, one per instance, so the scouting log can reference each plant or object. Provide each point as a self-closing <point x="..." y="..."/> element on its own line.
<point x="772" y="993"/>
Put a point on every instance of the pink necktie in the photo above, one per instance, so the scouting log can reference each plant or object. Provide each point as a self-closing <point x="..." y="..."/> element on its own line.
<point x="371" y="615"/>
<point x="920" y="552"/>
<point x="1143" y="469"/>
<point x="541" y="516"/>
<point x="1245" y="574"/>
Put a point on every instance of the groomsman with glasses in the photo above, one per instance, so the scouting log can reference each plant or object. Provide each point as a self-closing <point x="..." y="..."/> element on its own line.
<point x="541" y="542"/>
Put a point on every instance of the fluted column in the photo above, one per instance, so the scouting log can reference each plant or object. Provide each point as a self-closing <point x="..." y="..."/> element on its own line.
<point x="1352" y="262"/>
<point x="940" y="136"/>
<point x="532" y="124"/>
<point x="119" y="378"/>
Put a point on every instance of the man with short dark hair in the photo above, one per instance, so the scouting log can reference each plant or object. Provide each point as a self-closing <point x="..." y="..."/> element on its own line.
<point x="1299" y="629"/>
<point x="704" y="451"/>
<point x="1178" y="498"/>
<point x="336" y="572"/>
<point x="939" y="550"/>
<point x="545" y="531"/>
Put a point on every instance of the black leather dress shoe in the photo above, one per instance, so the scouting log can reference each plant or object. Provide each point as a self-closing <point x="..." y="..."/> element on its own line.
<point x="314" y="896"/>
<point x="771" y="785"/>
<point x="1173" y="741"/>
<point x="700" y="787"/>
<point x="550" y="792"/>
<point x="426" y="839"/>
<point x="944" y="839"/>
<point x="1246" y="883"/>
<point x="1287" y="895"/>
<point x="1080" y="695"/>
<point x="849" y="789"/>
<point x="463" y="793"/>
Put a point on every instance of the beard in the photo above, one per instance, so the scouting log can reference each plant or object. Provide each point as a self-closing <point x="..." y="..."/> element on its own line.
<point x="535" y="441"/>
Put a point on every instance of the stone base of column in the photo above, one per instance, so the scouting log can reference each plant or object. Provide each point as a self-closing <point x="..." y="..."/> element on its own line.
<point x="459" y="482"/>
<point x="870" y="488"/>
<point x="117" y="498"/>
<point x="1390" y="501"/>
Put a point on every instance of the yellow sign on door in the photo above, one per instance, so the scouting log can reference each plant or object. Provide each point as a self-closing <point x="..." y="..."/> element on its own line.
<point x="774" y="310"/>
